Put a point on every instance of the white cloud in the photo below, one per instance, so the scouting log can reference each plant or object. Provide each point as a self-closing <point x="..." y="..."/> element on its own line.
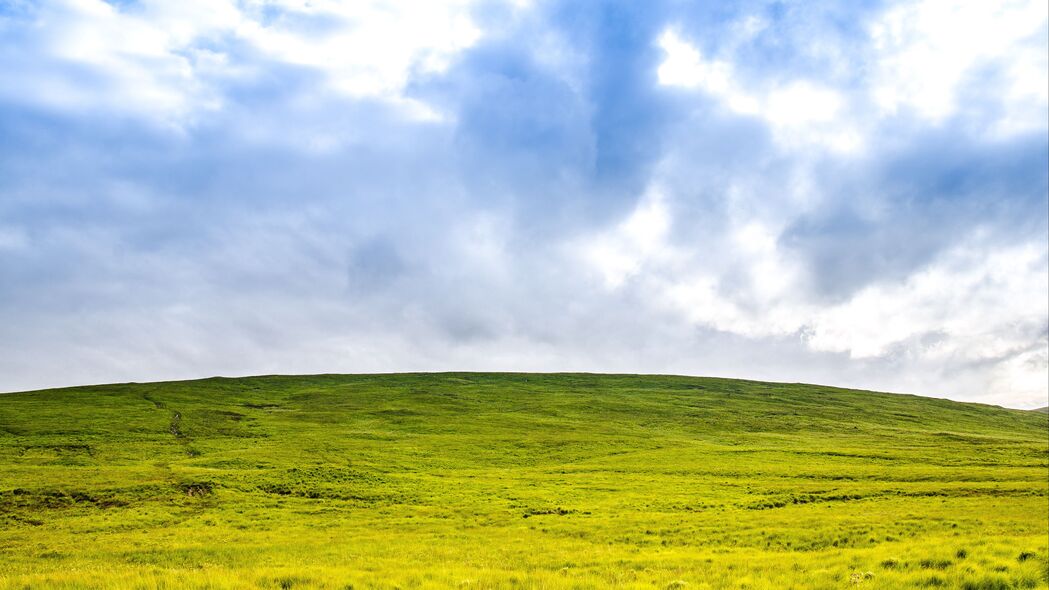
<point x="931" y="58"/>
<point x="980" y="305"/>
<point x="974" y="304"/>
<point x="803" y="103"/>
<point x="801" y="112"/>
<point x="623" y="251"/>
<point x="164" y="58"/>
<point x="685" y="67"/>
<point x="374" y="47"/>
<point x="131" y="62"/>
<point x="924" y="52"/>
<point x="369" y="242"/>
<point x="1022" y="376"/>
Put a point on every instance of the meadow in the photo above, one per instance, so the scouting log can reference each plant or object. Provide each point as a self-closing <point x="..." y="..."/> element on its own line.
<point x="468" y="480"/>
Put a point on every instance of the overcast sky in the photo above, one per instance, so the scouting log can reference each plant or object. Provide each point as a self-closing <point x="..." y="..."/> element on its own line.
<point x="848" y="193"/>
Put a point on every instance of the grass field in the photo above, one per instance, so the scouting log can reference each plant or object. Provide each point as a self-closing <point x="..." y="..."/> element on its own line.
<point x="517" y="481"/>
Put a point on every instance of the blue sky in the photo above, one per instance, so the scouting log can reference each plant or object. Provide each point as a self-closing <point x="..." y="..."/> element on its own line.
<point x="843" y="193"/>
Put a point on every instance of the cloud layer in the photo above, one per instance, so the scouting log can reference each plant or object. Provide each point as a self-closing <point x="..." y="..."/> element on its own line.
<point x="853" y="195"/>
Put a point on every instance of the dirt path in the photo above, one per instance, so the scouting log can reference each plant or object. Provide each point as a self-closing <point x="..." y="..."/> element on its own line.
<point x="176" y="424"/>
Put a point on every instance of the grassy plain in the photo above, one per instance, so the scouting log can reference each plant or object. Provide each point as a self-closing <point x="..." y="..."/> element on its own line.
<point x="517" y="481"/>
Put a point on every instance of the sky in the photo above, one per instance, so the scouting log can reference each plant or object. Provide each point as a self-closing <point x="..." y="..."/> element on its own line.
<point x="845" y="193"/>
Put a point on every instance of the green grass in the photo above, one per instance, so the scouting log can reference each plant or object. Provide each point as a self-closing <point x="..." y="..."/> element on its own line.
<point x="517" y="481"/>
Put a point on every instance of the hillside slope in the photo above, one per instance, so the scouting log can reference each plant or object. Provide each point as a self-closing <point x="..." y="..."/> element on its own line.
<point x="516" y="480"/>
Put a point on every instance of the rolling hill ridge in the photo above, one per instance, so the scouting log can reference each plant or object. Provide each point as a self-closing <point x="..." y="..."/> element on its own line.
<point x="517" y="480"/>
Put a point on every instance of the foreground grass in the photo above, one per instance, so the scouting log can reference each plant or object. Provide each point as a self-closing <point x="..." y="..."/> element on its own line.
<point x="517" y="481"/>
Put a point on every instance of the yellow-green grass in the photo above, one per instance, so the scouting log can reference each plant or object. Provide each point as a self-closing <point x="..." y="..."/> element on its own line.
<point x="517" y="481"/>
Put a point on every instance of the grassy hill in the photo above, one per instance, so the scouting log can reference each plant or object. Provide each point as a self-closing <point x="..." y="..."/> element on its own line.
<point x="516" y="481"/>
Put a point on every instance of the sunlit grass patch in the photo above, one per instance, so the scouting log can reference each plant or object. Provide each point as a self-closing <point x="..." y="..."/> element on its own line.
<point x="517" y="481"/>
